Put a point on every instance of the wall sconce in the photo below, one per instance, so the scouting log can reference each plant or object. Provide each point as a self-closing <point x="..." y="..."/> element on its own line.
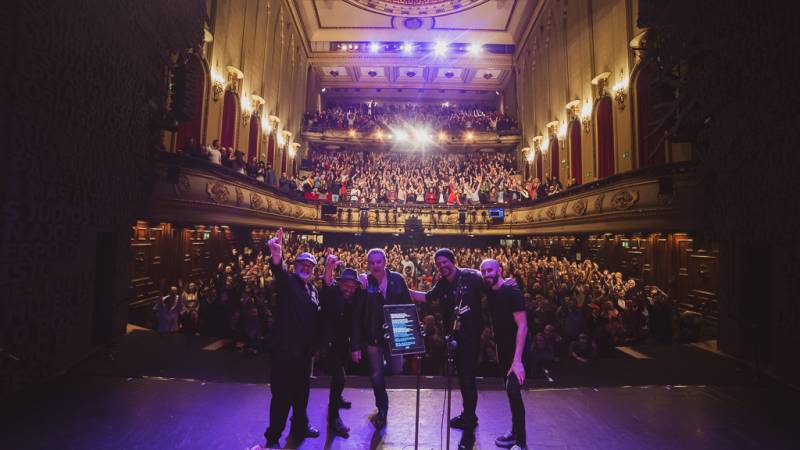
<point x="573" y="110"/>
<point x="266" y="127"/>
<point x="280" y="139"/>
<point x="234" y="75"/>
<point x="586" y="115"/>
<point x="544" y="144"/>
<point x="217" y="84"/>
<point x="529" y="154"/>
<point x="561" y="132"/>
<point x="619" y="89"/>
<point x="247" y="109"/>
<point x="600" y="82"/>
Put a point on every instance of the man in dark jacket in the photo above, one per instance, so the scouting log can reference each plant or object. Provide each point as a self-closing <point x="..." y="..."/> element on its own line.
<point x="337" y="313"/>
<point x="296" y="318"/>
<point x="383" y="287"/>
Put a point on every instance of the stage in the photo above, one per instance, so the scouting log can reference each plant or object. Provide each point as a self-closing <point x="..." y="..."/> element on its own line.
<point x="149" y="413"/>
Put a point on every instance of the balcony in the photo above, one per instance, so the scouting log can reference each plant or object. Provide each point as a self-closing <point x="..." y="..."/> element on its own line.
<point x="194" y="191"/>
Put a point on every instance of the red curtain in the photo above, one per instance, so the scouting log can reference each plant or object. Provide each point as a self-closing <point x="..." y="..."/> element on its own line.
<point x="283" y="161"/>
<point x="539" y="164"/>
<point x="575" y="150"/>
<point x="554" y="158"/>
<point x="271" y="151"/>
<point x="193" y="128"/>
<point x="648" y="154"/>
<point x="294" y="166"/>
<point x="228" y="120"/>
<point x="252" y="143"/>
<point x="605" y="138"/>
<point x="527" y="171"/>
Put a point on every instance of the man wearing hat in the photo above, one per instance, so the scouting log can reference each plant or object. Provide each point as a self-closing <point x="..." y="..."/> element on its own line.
<point x="337" y="313"/>
<point x="296" y="316"/>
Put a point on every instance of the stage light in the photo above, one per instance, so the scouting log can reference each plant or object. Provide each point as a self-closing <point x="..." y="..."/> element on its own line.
<point x="474" y="49"/>
<point x="407" y="48"/>
<point x="496" y="92"/>
<point x="351" y="132"/>
<point x="440" y="48"/>
<point x="446" y="105"/>
<point x="401" y="135"/>
<point x="324" y="90"/>
<point x="379" y="135"/>
<point x="442" y="136"/>
<point x="470" y="135"/>
<point x="374" y="47"/>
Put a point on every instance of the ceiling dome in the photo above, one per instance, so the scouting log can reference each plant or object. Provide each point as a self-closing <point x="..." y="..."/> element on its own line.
<point x="416" y="8"/>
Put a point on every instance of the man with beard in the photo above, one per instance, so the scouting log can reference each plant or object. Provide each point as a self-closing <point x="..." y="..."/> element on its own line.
<point x="296" y="318"/>
<point x="460" y="292"/>
<point x="337" y="312"/>
<point x="382" y="287"/>
<point x="507" y="310"/>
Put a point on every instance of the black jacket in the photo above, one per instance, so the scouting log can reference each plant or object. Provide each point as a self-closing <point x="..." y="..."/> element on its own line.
<point x="337" y="318"/>
<point x="296" y="315"/>
<point x="368" y="309"/>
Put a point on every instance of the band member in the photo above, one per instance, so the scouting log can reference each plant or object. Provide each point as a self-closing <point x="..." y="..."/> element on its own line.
<point x="296" y="317"/>
<point x="460" y="292"/>
<point x="382" y="287"/>
<point x="510" y="325"/>
<point x="337" y="313"/>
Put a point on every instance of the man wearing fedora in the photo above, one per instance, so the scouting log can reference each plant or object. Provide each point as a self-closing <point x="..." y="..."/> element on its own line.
<point x="297" y="312"/>
<point x="337" y="312"/>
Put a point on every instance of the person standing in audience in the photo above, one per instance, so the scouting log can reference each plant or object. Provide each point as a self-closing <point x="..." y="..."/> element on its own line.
<point x="167" y="310"/>
<point x="296" y="319"/>
<point x="214" y="153"/>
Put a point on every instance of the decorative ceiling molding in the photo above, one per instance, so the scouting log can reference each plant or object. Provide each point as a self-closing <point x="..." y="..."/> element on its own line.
<point x="415" y="8"/>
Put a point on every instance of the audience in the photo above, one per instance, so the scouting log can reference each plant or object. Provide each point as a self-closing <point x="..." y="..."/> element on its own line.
<point x="573" y="308"/>
<point x="448" y="118"/>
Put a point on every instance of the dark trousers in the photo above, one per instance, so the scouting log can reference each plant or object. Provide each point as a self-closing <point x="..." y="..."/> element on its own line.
<point x="377" y="371"/>
<point x="289" y="385"/>
<point x="466" y="359"/>
<point x="515" y="402"/>
<point x="336" y="371"/>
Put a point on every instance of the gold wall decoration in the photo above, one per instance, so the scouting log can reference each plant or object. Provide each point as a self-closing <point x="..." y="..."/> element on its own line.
<point x="624" y="199"/>
<point x="580" y="206"/>
<point x="217" y="192"/>
<point x="564" y="210"/>
<point x="256" y="201"/>
<point x="598" y="203"/>
<point x="550" y="212"/>
<point x="239" y="196"/>
<point x="182" y="187"/>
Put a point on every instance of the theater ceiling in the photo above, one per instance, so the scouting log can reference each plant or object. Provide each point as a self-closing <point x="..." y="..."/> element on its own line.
<point x="426" y="45"/>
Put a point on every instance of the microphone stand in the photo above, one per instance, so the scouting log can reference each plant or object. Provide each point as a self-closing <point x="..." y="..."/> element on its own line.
<point x="451" y="345"/>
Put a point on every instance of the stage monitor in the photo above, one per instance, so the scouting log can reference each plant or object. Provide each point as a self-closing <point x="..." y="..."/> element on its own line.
<point x="404" y="331"/>
<point x="497" y="214"/>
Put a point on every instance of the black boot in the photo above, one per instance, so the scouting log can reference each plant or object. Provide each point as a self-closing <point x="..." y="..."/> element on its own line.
<point x="338" y="428"/>
<point x="462" y="423"/>
<point x="344" y="404"/>
<point x="505" y="441"/>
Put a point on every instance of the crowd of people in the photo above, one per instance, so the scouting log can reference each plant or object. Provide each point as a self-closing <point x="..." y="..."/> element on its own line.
<point x="401" y="178"/>
<point x="448" y="118"/>
<point x="574" y="309"/>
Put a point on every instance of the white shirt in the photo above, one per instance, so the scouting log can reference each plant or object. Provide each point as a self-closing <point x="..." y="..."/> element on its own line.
<point x="214" y="155"/>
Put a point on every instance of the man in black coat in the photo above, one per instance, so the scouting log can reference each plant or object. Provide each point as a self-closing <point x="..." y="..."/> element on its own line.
<point x="296" y="318"/>
<point x="383" y="287"/>
<point x="337" y="313"/>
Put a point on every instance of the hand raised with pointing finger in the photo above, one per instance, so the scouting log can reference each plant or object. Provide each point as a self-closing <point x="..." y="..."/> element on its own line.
<point x="276" y="246"/>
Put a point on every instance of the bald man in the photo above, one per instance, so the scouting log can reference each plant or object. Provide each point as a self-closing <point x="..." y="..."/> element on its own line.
<point x="507" y="309"/>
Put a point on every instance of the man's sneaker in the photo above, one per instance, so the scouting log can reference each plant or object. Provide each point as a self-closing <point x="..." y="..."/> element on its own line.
<point x="519" y="447"/>
<point x="467" y="441"/>
<point x="460" y="423"/>
<point x="273" y="444"/>
<point x="505" y="441"/>
<point x="309" y="432"/>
